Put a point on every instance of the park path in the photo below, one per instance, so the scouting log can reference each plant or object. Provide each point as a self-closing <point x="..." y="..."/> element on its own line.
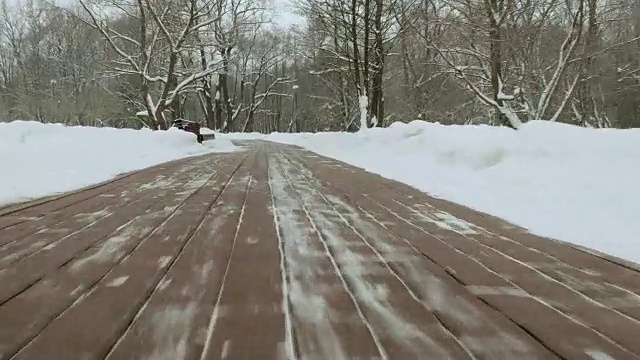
<point x="274" y="252"/>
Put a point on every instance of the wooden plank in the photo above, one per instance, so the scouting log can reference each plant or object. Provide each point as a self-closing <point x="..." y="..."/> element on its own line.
<point x="173" y="322"/>
<point x="123" y="290"/>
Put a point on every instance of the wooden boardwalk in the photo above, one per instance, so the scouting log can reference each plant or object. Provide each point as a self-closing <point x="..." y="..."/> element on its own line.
<point x="278" y="253"/>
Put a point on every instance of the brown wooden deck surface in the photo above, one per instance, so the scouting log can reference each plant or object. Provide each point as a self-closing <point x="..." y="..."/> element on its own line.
<point x="277" y="253"/>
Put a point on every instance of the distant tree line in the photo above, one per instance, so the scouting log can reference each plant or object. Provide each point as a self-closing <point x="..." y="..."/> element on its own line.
<point x="354" y="63"/>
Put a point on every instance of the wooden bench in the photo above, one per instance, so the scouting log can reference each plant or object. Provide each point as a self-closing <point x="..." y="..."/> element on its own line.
<point x="192" y="127"/>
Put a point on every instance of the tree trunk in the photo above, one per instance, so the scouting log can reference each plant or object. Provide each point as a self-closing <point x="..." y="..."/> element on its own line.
<point x="176" y="105"/>
<point x="496" y="59"/>
<point x="225" y="90"/>
<point x="355" y="48"/>
<point x="377" y="97"/>
<point x="209" y="114"/>
<point x="144" y="85"/>
<point x="366" y="47"/>
<point x="160" y="119"/>
<point x="278" y="122"/>
<point x="585" y="92"/>
<point x="295" y="119"/>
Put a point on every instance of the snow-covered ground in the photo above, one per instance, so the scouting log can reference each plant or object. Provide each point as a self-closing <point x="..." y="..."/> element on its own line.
<point x="574" y="184"/>
<point x="43" y="159"/>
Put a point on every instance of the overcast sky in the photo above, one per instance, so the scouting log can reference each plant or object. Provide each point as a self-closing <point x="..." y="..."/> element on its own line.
<point x="13" y="2"/>
<point x="284" y="15"/>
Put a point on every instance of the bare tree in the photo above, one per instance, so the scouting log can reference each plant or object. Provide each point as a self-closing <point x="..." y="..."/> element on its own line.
<point x="352" y="65"/>
<point x="354" y="40"/>
<point x="153" y="52"/>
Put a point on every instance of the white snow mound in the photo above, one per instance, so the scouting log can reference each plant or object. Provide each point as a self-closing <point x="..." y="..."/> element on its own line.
<point x="575" y="184"/>
<point x="44" y="159"/>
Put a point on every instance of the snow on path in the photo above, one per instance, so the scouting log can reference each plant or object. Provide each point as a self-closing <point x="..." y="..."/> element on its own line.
<point x="44" y="159"/>
<point x="574" y="184"/>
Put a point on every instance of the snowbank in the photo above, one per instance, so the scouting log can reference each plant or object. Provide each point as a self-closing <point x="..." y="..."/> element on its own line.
<point x="43" y="159"/>
<point x="575" y="184"/>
